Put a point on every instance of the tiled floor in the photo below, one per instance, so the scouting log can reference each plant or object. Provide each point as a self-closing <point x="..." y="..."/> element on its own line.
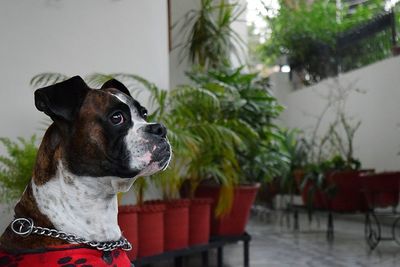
<point x="277" y="246"/>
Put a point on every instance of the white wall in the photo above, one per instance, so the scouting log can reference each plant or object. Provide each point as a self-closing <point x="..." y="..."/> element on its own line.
<point x="240" y="27"/>
<point x="74" y="37"/>
<point x="177" y="63"/>
<point x="377" y="142"/>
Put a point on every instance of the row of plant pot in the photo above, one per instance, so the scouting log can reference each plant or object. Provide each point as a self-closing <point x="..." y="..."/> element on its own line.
<point x="351" y="191"/>
<point x="158" y="226"/>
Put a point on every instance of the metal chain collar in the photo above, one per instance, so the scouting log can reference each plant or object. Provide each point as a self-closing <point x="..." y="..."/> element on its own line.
<point x="25" y="227"/>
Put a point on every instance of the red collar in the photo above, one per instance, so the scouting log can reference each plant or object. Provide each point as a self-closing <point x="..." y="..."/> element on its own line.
<point x="66" y="255"/>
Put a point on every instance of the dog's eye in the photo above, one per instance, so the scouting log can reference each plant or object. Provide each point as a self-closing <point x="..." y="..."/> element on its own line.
<point x="117" y="118"/>
<point x="143" y="112"/>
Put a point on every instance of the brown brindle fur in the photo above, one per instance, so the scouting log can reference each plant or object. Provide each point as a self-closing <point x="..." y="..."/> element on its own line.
<point x="87" y="131"/>
<point x="50" y="152"/>
<point x="27" y="206"/>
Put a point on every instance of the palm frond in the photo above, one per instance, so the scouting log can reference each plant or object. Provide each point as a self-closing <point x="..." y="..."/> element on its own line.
<point x="208" y="35"/>
<point x="98" y="79"/>
<point x="47" y="78"/>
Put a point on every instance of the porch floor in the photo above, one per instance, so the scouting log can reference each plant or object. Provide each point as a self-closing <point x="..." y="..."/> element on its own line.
<point x="274" y="245"/>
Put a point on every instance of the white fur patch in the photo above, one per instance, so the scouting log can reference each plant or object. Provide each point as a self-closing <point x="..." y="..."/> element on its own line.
<point x="135" y="143"/>
<point x="80" y="205"/>
<point x="140" y="156"/>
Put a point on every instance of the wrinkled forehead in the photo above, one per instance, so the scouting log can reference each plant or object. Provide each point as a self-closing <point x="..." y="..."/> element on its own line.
<point x="104" y="100"/>
<point x="132" y="103"/>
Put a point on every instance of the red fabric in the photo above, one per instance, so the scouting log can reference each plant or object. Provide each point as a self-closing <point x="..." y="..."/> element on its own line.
<point x="65" y="256"/>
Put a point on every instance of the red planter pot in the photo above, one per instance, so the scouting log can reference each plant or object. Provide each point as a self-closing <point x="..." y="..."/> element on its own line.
<point x="348" y="196"/>
<point x="176" y="223"/>
<point x="150" y="229"/>
<point x="235" y="221"/>
<point x="319" y="200"/>
<point x="199" y="221"/>
<point x="382" y="189"/>
<point x="128" y="222"/>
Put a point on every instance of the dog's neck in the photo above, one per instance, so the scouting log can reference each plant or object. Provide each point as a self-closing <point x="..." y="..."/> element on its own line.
<point x="84" y="206"/>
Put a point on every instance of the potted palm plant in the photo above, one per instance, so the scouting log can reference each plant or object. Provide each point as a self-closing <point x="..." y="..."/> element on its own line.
<point x="249" y="108"/>
<point x="224" y="122"/>
<point x="211" y="155"/>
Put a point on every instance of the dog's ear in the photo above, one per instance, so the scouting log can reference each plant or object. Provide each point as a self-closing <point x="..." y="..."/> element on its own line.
<point x="113" y="83"/>
<point x="62" y="100"/>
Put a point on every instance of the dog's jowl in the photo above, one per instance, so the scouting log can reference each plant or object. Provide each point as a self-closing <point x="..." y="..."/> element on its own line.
<point x="98" y="144"/>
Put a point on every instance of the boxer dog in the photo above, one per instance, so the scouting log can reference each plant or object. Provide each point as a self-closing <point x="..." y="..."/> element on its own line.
<point x="98" y="144"/>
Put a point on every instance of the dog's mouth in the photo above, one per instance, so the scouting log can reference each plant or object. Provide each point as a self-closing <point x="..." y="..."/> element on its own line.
<point x="153" y="168"/>
<point x="161" y="153"/>
<point x="156" y="158"/>
<point x="160" y="158"/>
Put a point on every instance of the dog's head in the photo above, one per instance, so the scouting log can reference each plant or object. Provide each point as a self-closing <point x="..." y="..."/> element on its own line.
<point x="104" y="131"/>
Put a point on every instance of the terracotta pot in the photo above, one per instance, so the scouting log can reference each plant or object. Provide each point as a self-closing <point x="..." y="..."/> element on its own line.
<point x="381" y="189"/>
<point x="128" y="222"/>
<point x="150" y="229"/>
<point x="176" y="223"/>
<point x="199" y="221"/>
<point x="235" y="221"/>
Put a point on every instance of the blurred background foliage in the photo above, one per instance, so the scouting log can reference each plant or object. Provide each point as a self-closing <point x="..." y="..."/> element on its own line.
<point x="16" y="167"/>
<point x="301" y="25"/>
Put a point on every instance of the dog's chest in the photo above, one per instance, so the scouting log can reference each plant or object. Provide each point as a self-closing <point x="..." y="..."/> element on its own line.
<point x="79" y="205"/>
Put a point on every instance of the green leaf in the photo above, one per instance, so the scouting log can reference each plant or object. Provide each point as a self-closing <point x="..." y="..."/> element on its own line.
<point x="16" y="168"/>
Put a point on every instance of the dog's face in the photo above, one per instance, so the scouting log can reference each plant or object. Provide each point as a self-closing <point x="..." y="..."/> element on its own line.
<point x="104" y="131"/>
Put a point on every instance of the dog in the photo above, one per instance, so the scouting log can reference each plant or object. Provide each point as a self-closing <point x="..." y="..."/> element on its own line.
<point x="98" y="144"/>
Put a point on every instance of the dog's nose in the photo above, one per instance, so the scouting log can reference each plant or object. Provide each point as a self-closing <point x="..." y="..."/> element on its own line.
<point x="156" y="129"/>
